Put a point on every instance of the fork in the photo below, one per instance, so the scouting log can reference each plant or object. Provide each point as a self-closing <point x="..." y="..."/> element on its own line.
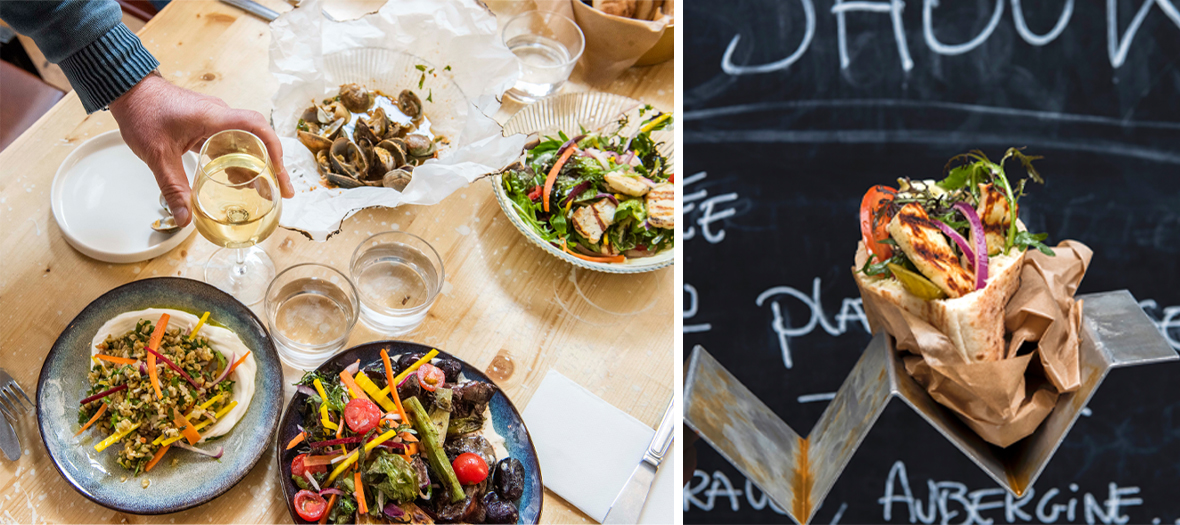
<point x="11" y="406"/>
<point x="9" y="402"/>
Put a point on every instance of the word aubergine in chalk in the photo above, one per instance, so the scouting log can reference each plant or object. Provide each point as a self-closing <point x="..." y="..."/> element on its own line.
<point x="709" y="210"/>
<point x="949" y="500"/>
<point x="1118" y="45"/>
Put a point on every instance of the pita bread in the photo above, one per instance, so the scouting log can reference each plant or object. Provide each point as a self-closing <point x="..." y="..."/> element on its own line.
<point x="974" y="322"/>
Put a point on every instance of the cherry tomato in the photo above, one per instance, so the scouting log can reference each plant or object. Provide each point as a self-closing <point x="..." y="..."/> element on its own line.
<point x="873" y="223"/>
<point x="431" y="377"/>
<point x="298" y="468"/>
<point x="309" y="505"/>
<point x="361" y="415"/>
<point x="470" y="468"/>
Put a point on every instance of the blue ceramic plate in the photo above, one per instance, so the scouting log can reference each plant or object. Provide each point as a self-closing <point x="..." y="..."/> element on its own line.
<point x="196" y="479"/>
<point x="505" y="419"/>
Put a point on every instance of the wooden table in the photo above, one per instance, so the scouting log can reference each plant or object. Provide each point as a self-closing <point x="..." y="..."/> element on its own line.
<point x="503" y="297"/>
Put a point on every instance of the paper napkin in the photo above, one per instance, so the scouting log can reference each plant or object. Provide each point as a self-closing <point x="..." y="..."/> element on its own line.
<point x="588" y="449"/>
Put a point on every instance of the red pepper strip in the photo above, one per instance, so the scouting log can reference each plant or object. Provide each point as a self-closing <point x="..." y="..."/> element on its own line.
<point x="553" y="175"/>
<point x="535" y="194"/>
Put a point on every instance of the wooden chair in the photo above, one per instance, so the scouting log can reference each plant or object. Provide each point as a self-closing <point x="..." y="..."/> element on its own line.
<point x="23" y="99"/>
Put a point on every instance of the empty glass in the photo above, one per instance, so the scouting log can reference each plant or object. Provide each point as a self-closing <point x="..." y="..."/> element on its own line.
<point x="546" y="45"/>
<point x="398" y="277"/>
<point x="311" y="309"/>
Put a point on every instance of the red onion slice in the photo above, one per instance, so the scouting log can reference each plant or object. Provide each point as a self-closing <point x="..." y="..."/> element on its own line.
<point x="353" y="368"/>
<point x="577" y="190"/>
<point x="407" y="378"/>
<point x="233" y="358"/>
<point x="568" y="143"/>
<point x="607" y="196"/>
<point x="981" y="258"/>
<point x="330" y="491"/>
<point x="176" y="368"/>
<point x="334" y="442"/>
<point x="103" y="394"/>
<point x="306" y="390"/>
<point x="394" y="511"/>
<point x="186" y="446"/>
<point x="963" y="244"/>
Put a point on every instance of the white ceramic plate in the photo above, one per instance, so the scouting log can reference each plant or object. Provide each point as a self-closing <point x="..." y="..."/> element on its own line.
<point x="104" y="200"/>
<point x="565" y="113"/>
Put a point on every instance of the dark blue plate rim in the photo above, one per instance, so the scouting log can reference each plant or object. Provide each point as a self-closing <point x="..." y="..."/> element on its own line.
<point x="374" y="348"/>
<point x="57" y="345"/>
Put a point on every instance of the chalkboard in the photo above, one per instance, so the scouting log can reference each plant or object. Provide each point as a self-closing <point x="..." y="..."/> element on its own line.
<point x="794" y="108"/>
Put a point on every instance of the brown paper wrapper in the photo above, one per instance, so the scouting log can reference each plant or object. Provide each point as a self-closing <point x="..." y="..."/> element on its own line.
<point x="1003" y="401"/>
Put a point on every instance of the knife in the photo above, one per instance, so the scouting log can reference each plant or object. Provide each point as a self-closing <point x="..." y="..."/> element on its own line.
<point x="630" y="500"/>
<point x="254" y="8"/>
<point x="8" y="441"/>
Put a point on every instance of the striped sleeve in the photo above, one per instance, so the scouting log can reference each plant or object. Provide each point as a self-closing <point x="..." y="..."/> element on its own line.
<point x="107" y="67"/>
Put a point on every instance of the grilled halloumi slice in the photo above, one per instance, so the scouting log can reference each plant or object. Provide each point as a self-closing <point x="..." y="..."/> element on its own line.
<point x="593" y="220"/>
<point x="927" y="247"/>
<point x="627" y="183"/>
<point x="994" y="214"/>
<point x="661" y="206"/>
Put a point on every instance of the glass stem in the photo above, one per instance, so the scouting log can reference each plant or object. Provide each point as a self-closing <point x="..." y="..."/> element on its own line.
<point x="240" y="264"/>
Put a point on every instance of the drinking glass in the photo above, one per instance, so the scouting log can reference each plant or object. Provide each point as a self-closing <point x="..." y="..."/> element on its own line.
<point x="236" y="204"/>
<point x="398" y="276"/>
<point x="546" y="45"/>
<point x="311" y="309"/>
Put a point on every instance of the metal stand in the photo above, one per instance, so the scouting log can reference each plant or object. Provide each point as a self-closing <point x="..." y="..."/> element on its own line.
<point x="797" y="472"/>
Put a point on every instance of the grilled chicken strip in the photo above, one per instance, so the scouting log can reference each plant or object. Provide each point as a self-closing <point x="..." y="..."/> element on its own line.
<point x="994" y="214"/>
<point x="627" y="183"/>
<point x="924" y="244"/>
<point x="592" y="221"/>
<point x="661" y="206"/>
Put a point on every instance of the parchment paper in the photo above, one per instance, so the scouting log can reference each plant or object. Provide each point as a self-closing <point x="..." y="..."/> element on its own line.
<point x="1003" y="401"/>
<point x="458" y="33"/>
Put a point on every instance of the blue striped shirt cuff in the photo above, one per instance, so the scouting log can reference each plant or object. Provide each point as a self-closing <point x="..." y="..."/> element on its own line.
<point x="102" y="71"/>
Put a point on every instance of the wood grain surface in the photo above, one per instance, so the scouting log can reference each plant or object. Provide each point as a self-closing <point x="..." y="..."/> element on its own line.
<point x="502" y="297"/>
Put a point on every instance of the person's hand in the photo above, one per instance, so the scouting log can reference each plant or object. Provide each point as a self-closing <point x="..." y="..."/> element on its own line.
<point x="160" y="122"/>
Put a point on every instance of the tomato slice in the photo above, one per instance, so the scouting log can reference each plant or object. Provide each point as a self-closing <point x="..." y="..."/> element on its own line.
<point x="298" y="468"/>
<point x="470" y="468"/>
<point x="873" y="222"/>
<point x="361" y="415"/>
<point x="431" y="377"/>
<point x="309" y="505"/>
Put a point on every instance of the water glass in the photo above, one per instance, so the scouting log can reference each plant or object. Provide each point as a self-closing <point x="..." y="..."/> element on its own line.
<point x="398" y="277"/>
<point x="546" y="45"/>
<point x="311" y="309"/>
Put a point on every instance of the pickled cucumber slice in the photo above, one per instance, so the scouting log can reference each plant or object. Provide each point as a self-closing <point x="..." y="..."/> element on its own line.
<point x="916" y="284"/>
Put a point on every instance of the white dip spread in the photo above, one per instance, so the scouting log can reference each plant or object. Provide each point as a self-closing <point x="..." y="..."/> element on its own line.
<point x="220" y="339"/>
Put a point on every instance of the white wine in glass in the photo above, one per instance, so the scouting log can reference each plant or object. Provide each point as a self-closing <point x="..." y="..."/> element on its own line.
<point x="236" y="204"/>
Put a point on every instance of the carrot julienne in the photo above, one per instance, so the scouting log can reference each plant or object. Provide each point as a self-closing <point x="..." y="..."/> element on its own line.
<point x="154" y="344"/>
<point x="328" y="509"/>
<point x="552" y="177"/>
<point x="116" y="360"/>
<point x="296" y="440"/>
<point x="156" y="458"/>
<point x="236" y="363"/>
<point x="98" y="414"/>
<point x="360" y="493"/>
<point x="615" y="259"/>
<point x="186" y="426"/>
<point x="353" y="388"/>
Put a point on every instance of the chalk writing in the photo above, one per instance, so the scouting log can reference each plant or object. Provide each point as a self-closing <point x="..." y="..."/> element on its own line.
<point x="1118" y="46"/>
<point x="850" y="310"/>
<point x="1169" y="321"/>
<point x="690" y="311"/>
<point x="709" y="212"/>
<point x="948" y="500"/>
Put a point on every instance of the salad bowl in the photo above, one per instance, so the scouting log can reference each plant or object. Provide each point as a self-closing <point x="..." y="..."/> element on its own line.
<point x="568" y="113"/>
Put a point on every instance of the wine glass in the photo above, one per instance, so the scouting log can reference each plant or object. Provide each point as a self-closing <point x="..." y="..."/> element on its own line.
<point x="236" y="204"/>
